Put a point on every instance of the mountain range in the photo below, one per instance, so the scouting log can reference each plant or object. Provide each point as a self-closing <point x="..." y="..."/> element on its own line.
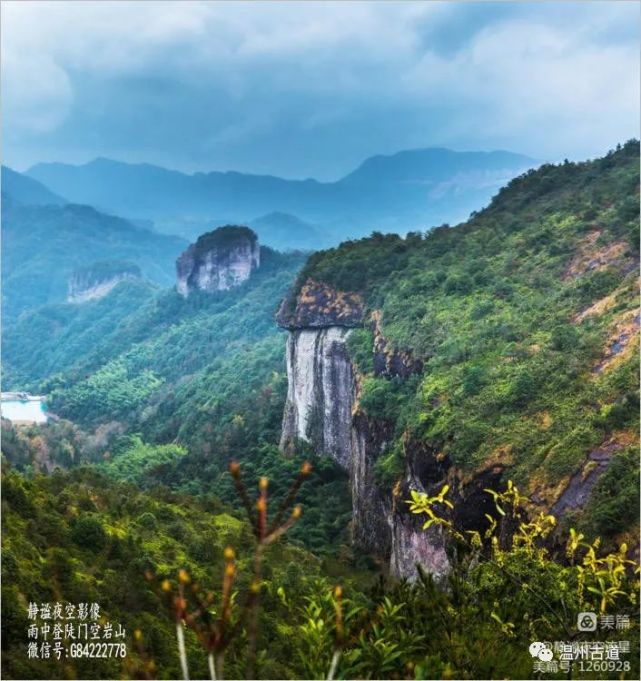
<point x="44" y="241"/>
<point x="19" y="188"/>
<point x="144" y="213"/>
<point x="461" y="404"/>
<point x="409" y="190"/>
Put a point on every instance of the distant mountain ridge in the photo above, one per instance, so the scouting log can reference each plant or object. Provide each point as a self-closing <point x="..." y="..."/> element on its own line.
<point x="409" y="190"/>
<point x="43" y="244"/>
<point x="26" y="190"/>
<point x="430" y="164"/>
<point x="284" y="231"/>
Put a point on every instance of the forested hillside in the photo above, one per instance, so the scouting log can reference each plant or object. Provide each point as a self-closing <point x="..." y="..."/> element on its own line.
<point x="81" y="538"/>
<point x="522" y="321"/>
<point x="127" y="353"/>
<point x="43" y="244"/>
<point x="206" y="372"/>
<point x="501" y="353"/>
<point x="522" y="325"/>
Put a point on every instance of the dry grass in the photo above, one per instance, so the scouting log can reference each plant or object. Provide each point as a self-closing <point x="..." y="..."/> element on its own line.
<point x="604" y="304"/>
<point x="591" y="257"/>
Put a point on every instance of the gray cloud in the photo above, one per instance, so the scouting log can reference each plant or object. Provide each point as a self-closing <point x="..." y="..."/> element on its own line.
<point x="310" y="89"/>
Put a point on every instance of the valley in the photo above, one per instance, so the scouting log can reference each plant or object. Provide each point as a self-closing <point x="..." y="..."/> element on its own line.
<point x="413" y="372"/>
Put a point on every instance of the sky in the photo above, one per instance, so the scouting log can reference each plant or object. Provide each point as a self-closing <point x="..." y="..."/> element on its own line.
<point x="311" y="89"/>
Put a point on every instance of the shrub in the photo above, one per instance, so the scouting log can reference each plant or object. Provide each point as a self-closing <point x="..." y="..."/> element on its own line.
<point x="564" y="337"/>
<point x="379" y="397"/>
<point x="89" y="533"/>
<point x="147" y="520"/>
<point x="614" y="503"/>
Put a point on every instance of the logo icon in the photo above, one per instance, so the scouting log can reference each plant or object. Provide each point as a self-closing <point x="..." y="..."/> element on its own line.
<point x="546" y="654"/>
<point x="541" y="651"/>
<point x="536" y="648"/>
<point x="586" y="621"/>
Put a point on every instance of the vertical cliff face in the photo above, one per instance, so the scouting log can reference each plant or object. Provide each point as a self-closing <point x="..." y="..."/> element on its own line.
<point x="98" y="279"/>
<point x="321" y="397"/>
<point x="218" y="261"/>
<point x="411" y="544"/>
<point x="320" y="392"/>
<point x="372" y="524"/>
<point x="322" y="410"/>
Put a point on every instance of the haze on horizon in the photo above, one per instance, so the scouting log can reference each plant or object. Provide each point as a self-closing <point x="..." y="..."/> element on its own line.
<point x="312" y="89"/>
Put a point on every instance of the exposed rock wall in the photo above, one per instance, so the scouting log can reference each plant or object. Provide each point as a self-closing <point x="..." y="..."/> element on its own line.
<point x="318" y="305"/>
<point x="218" y="261"/>
<point x="412" y="545"/>
<point x="321" y="398"/>
<point x="97" y="280"/>
<point x="371" y="527"/>
<point x="320" y="392"/>
<point x="580" y="485"/>
<point x="322" y="410"/>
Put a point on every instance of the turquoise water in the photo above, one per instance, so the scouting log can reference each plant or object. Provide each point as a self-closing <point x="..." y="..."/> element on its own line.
<point x="24" y="410"/>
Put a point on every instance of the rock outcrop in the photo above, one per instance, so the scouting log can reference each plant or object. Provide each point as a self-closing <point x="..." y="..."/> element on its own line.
<point x="98" y="279"/>
<point x="320" y="392"/>
<point x="318" y="306"/>
<point x="389" y="362"/>
<point x="322" y="409"/>
<point x="578" y="489"/>
<point x="218" y="261"/>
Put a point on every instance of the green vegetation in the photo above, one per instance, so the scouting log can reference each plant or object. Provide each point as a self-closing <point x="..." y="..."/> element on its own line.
<point x="121" y="368"/>
<point x="223" y="236"/>
<point x="524" y="320"/>
<point x="614" y="503"/>
<point x="142" y="330"/>
<point x="47" y="342"/>
<point x="104" y="269"/>
<point x="139" y="461"/>
<point x="42" y="245"/>
<point x="359" y="265"/>
<point x="79" y="537"/>
<point x="498" y="310"/>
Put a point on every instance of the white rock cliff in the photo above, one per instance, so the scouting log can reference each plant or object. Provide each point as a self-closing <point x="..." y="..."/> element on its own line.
<point x="322" y="410"/>
<point x="218" y="261"/>
<point x="97" y="280"/>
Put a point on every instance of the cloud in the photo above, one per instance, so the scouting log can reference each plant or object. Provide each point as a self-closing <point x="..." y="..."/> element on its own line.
<point x="312" y="88"/>
<point x="533" y="80"/>
<point x="37" y="93"/>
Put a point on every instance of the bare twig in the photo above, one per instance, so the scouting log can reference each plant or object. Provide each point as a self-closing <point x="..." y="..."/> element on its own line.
<point x="334" y="665"/>
<point x="339" y="637"/>
<point x="212" y="666"/>
<point x="305" y="470"/>
<point x="234" y="469"/>
<point x="215" y="634"/>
